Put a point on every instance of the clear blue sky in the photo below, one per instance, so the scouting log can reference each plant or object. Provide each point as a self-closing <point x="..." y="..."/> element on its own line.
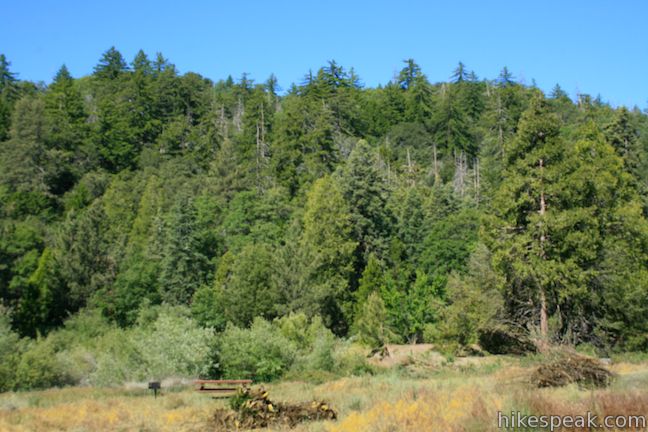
<point x="587" y="46"/>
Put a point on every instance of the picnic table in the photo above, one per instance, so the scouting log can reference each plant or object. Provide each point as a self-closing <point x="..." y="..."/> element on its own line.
<point x="221" y="387"/>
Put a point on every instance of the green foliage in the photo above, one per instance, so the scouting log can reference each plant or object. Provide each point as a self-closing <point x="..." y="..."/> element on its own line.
<point x="366" y="194"/>
<point x="88" y="349"/>
<point x="168" y="204"/>
<point x="184" y="265"/>
<point x="563" y="202"/>
<point x="475" y="304"/>
<point x="111" y="65"/>
<point x="85" y="265"/>
<point x="315" y="343"/>
<point x="243" y="287"/>
<point x="370" y="322"/>
<point x="372" y="280"/>
<point x="328" y="250"/>
<point x="260" y="352"/>
<point x="8" y="94"/>
<point x="174" y="345"/>
<point x="10" y="350"/>
<point x="41" y="366"/>
<point x="448" y="246"/>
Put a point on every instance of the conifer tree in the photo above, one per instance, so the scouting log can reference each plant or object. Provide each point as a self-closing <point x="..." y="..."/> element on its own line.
<point x="8" y="94"/>
<point x="460" y="74"/>
<point x="184" y="267"/>
<point x="111" y="65"/>
<point x="328" y="250"/>
<point x="553" y="215"/>
<point x="365" y="192"/>
<point x="64" y="106"/>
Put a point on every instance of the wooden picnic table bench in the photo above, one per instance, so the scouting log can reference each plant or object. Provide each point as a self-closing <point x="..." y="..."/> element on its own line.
<point x="221" y="387"/>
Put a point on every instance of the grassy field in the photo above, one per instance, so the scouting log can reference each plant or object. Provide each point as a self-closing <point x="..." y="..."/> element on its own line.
<point x="460" y="395"/>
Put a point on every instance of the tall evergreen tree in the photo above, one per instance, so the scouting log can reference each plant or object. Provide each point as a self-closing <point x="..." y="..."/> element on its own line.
<point x="8" y="94"/>
<point x="365" y="191"/>
<point x="553" y="216"/>
<point x="111" y="65"/>
<point x="460" y="74"/>
<point x="184" y="267"/>
<point x="328" y="248"/>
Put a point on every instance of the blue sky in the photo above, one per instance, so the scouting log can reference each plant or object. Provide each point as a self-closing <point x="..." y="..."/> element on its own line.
<point x="586" y="46"/>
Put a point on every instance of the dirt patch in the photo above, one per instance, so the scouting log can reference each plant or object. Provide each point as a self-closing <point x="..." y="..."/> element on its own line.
<point x="570" y="368"/>
<point x="253" y="409"/>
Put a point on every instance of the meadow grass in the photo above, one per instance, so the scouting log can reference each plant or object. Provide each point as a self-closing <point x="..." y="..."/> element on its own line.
<point x="458" y="396"/>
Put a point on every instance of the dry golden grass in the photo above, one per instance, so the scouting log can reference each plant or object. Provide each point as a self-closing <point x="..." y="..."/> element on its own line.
<point x="74" y="409"/>
<point x="453" y="398"/>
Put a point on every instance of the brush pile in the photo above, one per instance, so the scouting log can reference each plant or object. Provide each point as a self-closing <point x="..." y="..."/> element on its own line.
<point x="568" y="368"/>
<point x="252" y="409"/>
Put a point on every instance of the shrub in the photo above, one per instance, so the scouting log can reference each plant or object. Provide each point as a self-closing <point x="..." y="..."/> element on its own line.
<point x="370" y="324"/>
<point x="351" y="359"/>
<point x="40" y="367"/>
<point x="82" y="329"/>
<point x="174" y="345"/>
<point x="294" y="327"/>
<point x="206" y="307"/>
<point x="260" y="352"/>
<point x="320" y="355"/>
<point x="117" y="359"/>
<point x="9" y="351"/>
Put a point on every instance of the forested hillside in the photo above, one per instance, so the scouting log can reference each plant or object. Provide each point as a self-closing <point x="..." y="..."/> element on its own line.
<point x="452" y="212"/>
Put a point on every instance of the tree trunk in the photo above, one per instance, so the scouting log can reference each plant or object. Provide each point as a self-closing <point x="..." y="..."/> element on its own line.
<point x="544" y="326"/>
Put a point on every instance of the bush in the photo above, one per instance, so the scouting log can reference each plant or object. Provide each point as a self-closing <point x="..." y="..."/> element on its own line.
<point x="89" y="350"/>
<point x="82" y="329"/>
<point x="41" y="367"/>
<point x="261" y="352"/>
<point x="174" y="345"/>
<point x="351" y="359"/>
<point x="314" y="341"/>
<point x="117" y="359"/>
<point x="10" y="347"/>
<point x="475" y="305"/>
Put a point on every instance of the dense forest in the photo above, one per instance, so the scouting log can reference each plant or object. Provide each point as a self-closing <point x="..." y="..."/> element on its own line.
<point x="141" y="201"/>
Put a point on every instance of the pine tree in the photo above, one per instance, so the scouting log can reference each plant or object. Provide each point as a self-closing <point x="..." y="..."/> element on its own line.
<point x="44" y="302"/>
<point x="622" y="134"/>
<point x="521" y="251"/>
<point x="8" y="94"/>
<point x="7" y="78"/>
<point x="111" y="65"/>
<point x="554" y="214"/>
<point x="184" y="267"/>
<point x="412" y="226"/>
<point x="421" y="307"/>
<point x="451" y="128"/>
<point x="328" y="246"/>
<point x="371" y="324"/>
<point x="141" y="64"/>
<point x="558" y="93"/>
<point x="31" y="172"/>
<point x="82" y="255"/>
<point x="475" y="302"/>
<point x="67" y="129"/>
<point x="371" y="281"/>
<point x="365" y="192"/>
<point x="460" y="74"/>
<point x="410" y="74"/>
<point x="505" y="78"/>
<point x="244" y="287"/>
<point x="139" y="270"/>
